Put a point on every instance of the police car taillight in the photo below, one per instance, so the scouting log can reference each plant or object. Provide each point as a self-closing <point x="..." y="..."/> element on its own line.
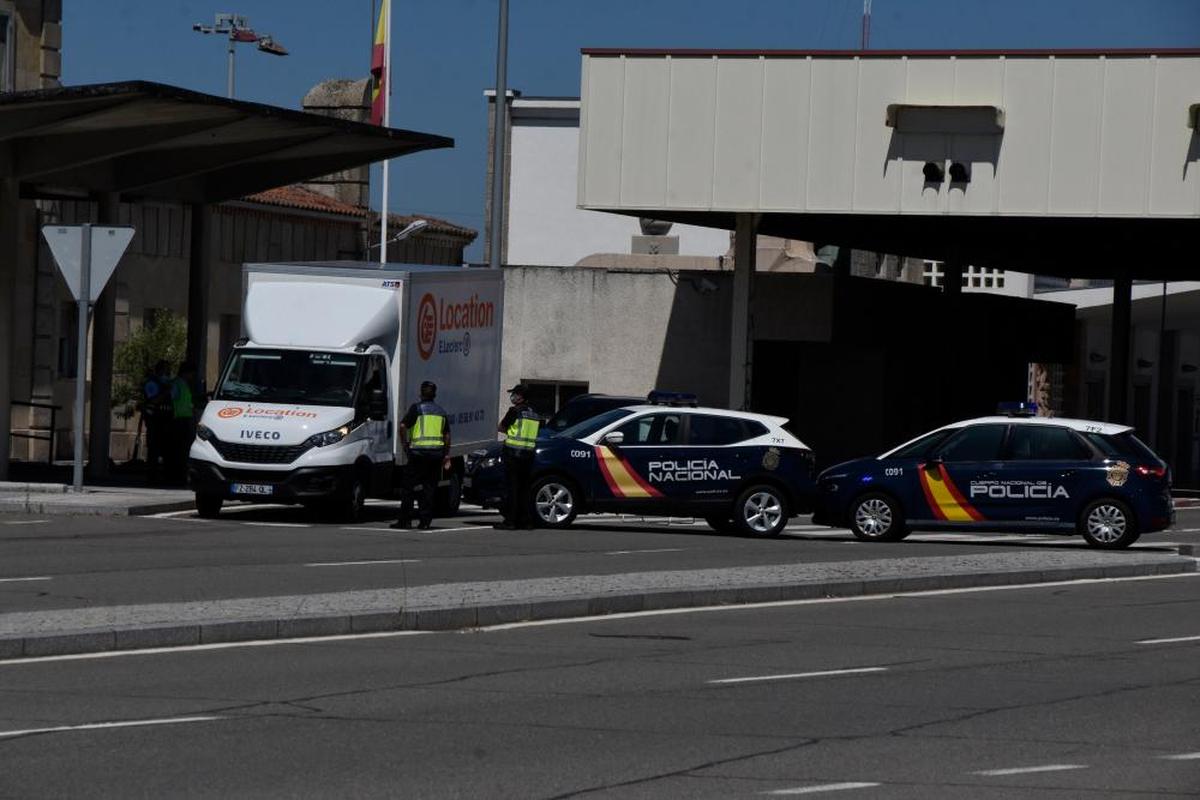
<point x="657" y="398"/>
<point x="1151" y="471"/>
<point x="1019" y="408"/>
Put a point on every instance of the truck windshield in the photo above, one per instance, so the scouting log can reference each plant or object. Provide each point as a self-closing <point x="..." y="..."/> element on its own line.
<point x="302" y="377"/>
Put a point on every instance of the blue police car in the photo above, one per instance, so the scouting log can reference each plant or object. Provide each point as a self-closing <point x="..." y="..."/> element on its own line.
<point x="1014" y="472"/>
<point x="741" y="472"/>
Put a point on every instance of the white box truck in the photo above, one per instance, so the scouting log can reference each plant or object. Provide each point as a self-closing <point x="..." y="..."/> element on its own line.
<point x="308" y="402"/>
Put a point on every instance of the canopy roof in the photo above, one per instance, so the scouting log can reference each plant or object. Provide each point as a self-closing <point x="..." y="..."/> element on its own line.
<point x="153" y="141"/>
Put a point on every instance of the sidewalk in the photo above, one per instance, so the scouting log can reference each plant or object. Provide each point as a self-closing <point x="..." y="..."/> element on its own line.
<point x="56" y="498"/>
<point x="468" y="605"/>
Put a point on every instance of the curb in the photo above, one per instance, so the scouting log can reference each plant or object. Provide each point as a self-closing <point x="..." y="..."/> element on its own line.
<point x="468" y="617"/>
<point x="34" y="505"/>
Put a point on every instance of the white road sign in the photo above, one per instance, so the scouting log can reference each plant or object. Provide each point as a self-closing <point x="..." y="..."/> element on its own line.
<point x="108" y="245"/>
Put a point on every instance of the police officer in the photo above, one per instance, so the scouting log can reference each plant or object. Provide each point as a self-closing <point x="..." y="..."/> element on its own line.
<point x="520" y="428"/>
<point x="157" y="415"/>
<point x="183" y="420"/>
<point x="425" y="435"/>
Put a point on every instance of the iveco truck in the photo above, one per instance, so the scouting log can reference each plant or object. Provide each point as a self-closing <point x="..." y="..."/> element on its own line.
<point x="308" y="402"/>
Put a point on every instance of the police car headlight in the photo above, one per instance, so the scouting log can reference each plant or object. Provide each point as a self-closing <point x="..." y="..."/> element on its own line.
<point x="329" y="437"/>
<point x="204" y="433"/>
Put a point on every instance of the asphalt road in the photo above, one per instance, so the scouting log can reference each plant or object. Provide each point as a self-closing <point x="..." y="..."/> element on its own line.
<point x="1071" y="691"/>
<point x="68" y="562"/>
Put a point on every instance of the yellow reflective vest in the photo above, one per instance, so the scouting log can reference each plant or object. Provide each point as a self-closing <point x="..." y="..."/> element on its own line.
<point x="522" y="433"/>
<point x="428" y="431"/>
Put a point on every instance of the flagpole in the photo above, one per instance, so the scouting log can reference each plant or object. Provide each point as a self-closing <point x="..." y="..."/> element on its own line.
<point x="387" y="123"/>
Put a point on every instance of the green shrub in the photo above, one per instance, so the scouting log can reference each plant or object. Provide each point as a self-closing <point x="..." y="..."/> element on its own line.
<point x="163" y="338"/>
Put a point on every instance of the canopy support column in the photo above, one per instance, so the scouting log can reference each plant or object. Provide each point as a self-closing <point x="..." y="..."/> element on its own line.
<point x="1118" y="372"/>
<point x="952" y="272"/>
<point x="104" y="316"/>
<point x="199" y="267"/>
<point x="10" y="207"/>
<point x="741" y="320"/>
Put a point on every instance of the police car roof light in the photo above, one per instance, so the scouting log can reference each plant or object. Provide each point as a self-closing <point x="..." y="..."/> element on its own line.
<point x="659" y="398"/>
<point x="1018" y="408"/>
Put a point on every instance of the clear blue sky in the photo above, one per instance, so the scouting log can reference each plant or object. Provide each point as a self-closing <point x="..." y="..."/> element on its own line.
<point x="444" y="52"/>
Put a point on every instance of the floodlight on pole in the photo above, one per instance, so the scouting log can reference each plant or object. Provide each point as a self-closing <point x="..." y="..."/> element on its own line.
<point x="415" y="226"/>
<point x="238" y="31"/>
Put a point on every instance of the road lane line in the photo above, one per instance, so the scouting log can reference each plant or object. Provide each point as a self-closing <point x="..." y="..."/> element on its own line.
<point x="1172" y="640"/>
<point x="21" y="580"/>
<point x="1025" y="770"/>
<point x="27" y="522"/>
<point x="632" y="552"/>
<point x="362" y="563"/>
<point x="95" y="726"/>
<point x="1181" y="757"/>
<point x="819" y="674"/>
<point x="825" y="787"/>
<point x="155" y="651"/>
<point x="278" y="524"/>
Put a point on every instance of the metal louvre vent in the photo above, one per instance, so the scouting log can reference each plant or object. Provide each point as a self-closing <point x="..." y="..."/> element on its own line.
<point x="259" y="453"/>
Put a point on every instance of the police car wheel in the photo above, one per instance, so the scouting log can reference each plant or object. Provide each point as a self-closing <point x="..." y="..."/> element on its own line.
<point x="760" y="511"/>
<point x="876" y="518"/>
<point x="554" y="502"/>
<point x="1108" y="524"/>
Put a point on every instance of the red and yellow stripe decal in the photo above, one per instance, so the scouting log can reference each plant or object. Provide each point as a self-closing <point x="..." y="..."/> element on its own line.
<point x="944" y="498"/>
<point x="621" y="479"/>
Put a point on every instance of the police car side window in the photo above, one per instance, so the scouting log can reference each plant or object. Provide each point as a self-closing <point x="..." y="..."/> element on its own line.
<point x="715" y="431"/>
<point x="976" y="443"/>
<point x="1045" y="443"/>
<point x="652" y="429"/>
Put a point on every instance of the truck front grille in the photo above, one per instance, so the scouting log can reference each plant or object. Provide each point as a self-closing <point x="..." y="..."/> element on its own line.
<point x="259" y="453"/>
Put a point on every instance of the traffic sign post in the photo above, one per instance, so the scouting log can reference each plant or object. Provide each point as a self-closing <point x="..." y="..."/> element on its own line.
<point x="86" y="256"/>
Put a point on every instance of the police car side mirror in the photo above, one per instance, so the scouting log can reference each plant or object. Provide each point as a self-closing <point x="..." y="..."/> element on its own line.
<point x="934" y="461"/>
<point x="615" y="437"/>
<point x="377" y="406"/>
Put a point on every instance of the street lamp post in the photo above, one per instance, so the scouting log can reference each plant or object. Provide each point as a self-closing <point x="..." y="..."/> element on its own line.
<point x="238" y="30"/>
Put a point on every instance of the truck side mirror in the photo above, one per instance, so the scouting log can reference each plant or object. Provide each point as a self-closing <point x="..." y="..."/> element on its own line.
<point x="377" y="405"/>
<point x="614" y="437"/>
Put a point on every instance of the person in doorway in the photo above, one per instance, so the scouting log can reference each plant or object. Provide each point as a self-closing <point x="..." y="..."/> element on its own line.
<point x="520" y="428"/>
<point x="156" y="416"/>
<point x="183" y="420"/>
<point x="425" y="435"/>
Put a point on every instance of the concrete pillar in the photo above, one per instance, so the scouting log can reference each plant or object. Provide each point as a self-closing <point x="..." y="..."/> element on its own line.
<point x="104" y="315"/>
<point x="1118" y="373"/>
<point x="199" y="269"/>
<point x="952" y="272"/>
<point x="10" y="208"/>
<point x="741" y="317"/>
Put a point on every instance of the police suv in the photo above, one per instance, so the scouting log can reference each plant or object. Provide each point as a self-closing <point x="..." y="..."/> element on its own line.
<point x="741" y="472"/>
<point x="1016" y="472"/>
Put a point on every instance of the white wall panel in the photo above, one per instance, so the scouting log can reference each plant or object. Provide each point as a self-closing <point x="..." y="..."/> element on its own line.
<point x="1024" y="174"/>
<point x="644" y="120"/>
<point x="1174" y="147"/>
<point x="786" y="104"/>
<point x="1125" y="135"/>
<point x="876" y="170"/>
<point x="832" y="133"/>
<point x="737" y="160"/>
<point x="604" y="94"/>
<point x="1075" y="135"/>
<point x="691" y="130"/>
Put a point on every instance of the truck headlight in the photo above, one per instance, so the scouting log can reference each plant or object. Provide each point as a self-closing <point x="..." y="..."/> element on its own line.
<point x="329" y="437"/>
<point x="204" y="433"/>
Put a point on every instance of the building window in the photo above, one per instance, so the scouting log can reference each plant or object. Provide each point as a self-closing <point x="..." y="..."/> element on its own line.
<point x="546" y="397"/>
<point x="972" y="278"/>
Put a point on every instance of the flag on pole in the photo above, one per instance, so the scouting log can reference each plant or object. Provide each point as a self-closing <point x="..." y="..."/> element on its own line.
<point x="379" y="74"/>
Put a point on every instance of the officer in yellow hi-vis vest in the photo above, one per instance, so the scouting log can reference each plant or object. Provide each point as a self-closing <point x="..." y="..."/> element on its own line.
<point x="520" y="428"/>
<point x="425" y="433"/>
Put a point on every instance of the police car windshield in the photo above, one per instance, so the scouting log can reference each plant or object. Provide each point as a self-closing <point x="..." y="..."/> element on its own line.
<point x="302" y="377"/>
<point x="592" y="424"/>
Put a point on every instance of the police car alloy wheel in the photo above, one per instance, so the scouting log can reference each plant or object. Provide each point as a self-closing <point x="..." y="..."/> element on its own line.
<point x="760" y="511"/>
<point x="876" y="518"/>
<point x="554" y="502"/>
<point x="1108" y="524"/>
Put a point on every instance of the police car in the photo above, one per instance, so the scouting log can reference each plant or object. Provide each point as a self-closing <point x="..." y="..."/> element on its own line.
<point x="741" y="472"/>
<point x="1014" y="472"/>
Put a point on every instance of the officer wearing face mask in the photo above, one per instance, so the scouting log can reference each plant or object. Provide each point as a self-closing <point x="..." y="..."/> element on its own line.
<point x="520" y="428"/>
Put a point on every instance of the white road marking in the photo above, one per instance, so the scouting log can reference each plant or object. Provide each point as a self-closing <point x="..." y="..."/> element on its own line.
<point x="171" y="514"/>
<point x="1184" y="530"/>
<point x="154" y="651"/>
<point x="21" y="580"/>
<point x="632" y="552"/>
<point x="278" y="524"/>
<point x="1024" y="770"/>
<point x="1173" y="640"/>
<point x="95" y="726"/>
<point x="825" y="787"/>
<point x="27" y="522"/>
<point x="819" y="674"/>
<point x="1181" y="757"/>
<point x="360" y="563"/>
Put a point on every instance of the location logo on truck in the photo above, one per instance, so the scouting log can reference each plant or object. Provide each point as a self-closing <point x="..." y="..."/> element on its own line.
<point x="436" y="317"/>
<point x="229" y="412"/>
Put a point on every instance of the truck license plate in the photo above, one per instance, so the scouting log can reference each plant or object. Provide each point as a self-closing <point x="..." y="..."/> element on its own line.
<point x="251" y="488"/>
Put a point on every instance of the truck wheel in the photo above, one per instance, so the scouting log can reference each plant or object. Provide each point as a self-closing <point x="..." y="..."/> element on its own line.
<point x="1108" y="524"/>
<point x="760" y="511"/>
<point x="555" y="502"/>
<point x="208" y="506"/>
<point x="449" y="498"/>
<point x="350" y="508"/>
<point x="876" y="517"/>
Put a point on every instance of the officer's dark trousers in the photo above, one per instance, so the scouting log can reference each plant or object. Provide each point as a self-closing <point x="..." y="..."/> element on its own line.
<point x="422" y="471"/>
<point x="517" y="502"/>
<point x="158" y="447"/>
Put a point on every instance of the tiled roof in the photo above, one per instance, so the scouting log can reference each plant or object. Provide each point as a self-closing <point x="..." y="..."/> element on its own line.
<point x="398" y="221"/>
<point x="306" y="199"/>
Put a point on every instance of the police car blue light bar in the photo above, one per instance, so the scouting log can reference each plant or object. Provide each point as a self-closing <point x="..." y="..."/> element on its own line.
<point x="1018" y="408"/>
<point x="660" y="398"/>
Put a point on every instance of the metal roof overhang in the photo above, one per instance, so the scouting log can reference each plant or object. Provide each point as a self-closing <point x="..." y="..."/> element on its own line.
<point x="148" y="140"/>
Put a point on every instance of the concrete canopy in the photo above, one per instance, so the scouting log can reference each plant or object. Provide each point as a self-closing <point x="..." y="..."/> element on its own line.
<point x="146" y="140"/>
<point x="1068" y="163"/>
